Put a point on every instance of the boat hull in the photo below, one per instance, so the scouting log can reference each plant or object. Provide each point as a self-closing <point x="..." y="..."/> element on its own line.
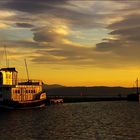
<point x="133" y="97"/>
<point x="23" y="105"/>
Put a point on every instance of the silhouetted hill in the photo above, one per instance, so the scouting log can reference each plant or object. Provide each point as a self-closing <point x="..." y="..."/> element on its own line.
<point x="89" y="91"/>
<point x="52" y="86"/>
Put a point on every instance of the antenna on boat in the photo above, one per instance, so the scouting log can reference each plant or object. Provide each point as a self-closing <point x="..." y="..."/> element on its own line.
<point x="26" y="69"/>
<point x="6" y="58"/>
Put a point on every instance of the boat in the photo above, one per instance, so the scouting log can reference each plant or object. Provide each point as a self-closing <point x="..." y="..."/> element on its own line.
<point x="20" y="93"/>
<point x="134" y="96"/>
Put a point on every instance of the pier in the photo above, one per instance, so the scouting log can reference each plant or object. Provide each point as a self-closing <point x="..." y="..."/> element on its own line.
<point x="74" y="99"/>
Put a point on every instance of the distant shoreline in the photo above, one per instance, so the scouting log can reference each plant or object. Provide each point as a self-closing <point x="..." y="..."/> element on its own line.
<point x="90" y="91"/>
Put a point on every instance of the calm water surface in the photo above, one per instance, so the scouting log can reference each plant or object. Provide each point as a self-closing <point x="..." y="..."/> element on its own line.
<point x="73" y="121"/>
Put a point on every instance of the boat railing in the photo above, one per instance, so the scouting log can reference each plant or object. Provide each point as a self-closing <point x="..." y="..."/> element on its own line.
<point x="29" y="82"/>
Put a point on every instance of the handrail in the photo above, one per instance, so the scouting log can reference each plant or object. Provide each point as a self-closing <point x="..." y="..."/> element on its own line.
<point x="29" y="82"/>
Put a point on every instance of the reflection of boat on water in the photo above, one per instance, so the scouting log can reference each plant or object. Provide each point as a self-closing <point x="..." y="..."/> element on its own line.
<point x="16" y="93"/>
<point x="134" y="96"/>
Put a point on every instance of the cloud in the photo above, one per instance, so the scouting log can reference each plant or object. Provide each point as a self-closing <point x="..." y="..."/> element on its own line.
<point x="128" y="34"/>
<point x="47" y="34"/>
<point x="128" y="29"/>
<point x="132" y="20"/>
<point x="71" y="55"/>
<point x="49" y="29"/>
<point x="3" y="25"/>
<point x="44" y="36"/>
<point x="32" y="6"/>
<point x="123" y="40"/>
<point x="20" y="45"/>
<point x="24" y="25"/>
<point x="74" y="14"/>
<point x="6" y="14"/>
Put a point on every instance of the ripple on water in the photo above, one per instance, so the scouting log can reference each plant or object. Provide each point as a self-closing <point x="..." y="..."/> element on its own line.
<point x="79" y="121"/>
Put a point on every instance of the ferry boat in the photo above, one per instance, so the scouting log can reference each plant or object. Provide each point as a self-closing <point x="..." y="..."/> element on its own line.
<point x="20" y="94"/>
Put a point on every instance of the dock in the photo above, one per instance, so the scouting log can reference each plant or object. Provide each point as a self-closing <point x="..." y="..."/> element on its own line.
<point x="75" y="99"/>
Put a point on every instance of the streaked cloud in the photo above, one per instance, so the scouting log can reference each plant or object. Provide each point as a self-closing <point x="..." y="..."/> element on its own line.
<point x="123" y="40"/>
<point x="24" y="25"/>
<point x="93" y="33"/>
<point x="3" y="25"/>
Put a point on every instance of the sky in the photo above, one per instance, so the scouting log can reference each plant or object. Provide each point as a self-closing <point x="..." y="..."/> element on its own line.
<point x="72" y="42"/>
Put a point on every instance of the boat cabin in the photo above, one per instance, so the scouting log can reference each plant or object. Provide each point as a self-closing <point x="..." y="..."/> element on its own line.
<point x="8" y="76"/>
<point x="13" y="89"/>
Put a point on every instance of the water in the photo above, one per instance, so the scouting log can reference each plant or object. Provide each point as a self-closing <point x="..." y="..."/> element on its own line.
<point x="74" y="121"/>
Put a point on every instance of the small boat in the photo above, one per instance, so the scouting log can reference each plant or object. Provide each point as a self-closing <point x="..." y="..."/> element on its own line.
<point x="134" y="96"/>
<point x="20" y="94"/>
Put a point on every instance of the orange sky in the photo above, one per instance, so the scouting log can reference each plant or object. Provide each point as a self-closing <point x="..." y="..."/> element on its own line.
<point x="72" y="43"/>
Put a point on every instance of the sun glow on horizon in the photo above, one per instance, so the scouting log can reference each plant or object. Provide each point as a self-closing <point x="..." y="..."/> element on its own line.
<point x="73" y="43"/>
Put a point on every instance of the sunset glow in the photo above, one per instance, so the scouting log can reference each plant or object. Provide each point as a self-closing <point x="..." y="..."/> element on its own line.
<point x="72" y="43"/>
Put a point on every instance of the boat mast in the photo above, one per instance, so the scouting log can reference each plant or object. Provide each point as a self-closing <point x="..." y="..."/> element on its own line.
<point x="6" y="58"/>
<point x="137" y="86"/>
<point x="26" y="69"/>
